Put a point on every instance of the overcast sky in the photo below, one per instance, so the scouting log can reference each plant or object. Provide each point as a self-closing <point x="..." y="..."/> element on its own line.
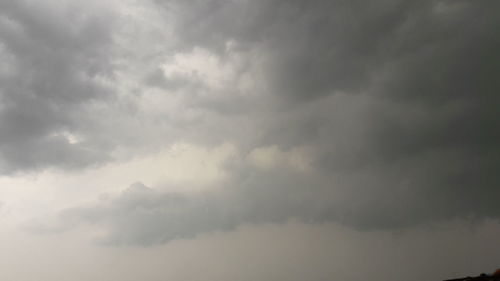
<point x="244" y="140"/>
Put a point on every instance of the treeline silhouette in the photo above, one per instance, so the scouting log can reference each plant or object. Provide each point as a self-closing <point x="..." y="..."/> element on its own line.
<point x="482" y="277"/>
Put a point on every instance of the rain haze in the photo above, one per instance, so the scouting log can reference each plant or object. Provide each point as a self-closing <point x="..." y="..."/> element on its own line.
<point x="243" y="140"/>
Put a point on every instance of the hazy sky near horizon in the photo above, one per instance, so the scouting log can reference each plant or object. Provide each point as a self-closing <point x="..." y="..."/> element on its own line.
<point x="249" y="139"/>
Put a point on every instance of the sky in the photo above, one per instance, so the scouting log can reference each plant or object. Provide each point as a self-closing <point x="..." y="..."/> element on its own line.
<point x="243" y="140"/>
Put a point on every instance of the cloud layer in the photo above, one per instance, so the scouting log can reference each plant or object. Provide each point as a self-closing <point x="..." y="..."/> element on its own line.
<point x="54" y="63"/>
<point x="376" y="115"/>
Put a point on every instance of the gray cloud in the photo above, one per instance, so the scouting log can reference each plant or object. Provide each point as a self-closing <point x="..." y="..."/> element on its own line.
<point x="140" y="215"/>
<point x="398" y="99"/>
<point x="143" y="216"/>
<point x="52" y="63"/>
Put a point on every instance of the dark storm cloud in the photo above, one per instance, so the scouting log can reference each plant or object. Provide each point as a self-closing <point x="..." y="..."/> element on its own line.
<point x="398" y="99"/>
<point x="52" y="59"/>
<point x="143" y="216"/>
<point x="308" y="48"/>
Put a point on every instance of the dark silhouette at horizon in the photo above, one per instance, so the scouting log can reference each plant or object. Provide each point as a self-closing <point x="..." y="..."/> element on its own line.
<point x="482" y="277"/>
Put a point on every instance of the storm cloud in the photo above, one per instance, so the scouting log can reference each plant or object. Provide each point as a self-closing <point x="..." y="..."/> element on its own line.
<point x="53" y="63"/>
<point x="395" y="101"/>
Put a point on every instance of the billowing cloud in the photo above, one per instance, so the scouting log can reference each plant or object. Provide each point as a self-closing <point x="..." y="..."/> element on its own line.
<point x="376" y="115"/>
<point x="398" y="98"/>
<point x="268" y="185"/>
<point x="53" y="62"/>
